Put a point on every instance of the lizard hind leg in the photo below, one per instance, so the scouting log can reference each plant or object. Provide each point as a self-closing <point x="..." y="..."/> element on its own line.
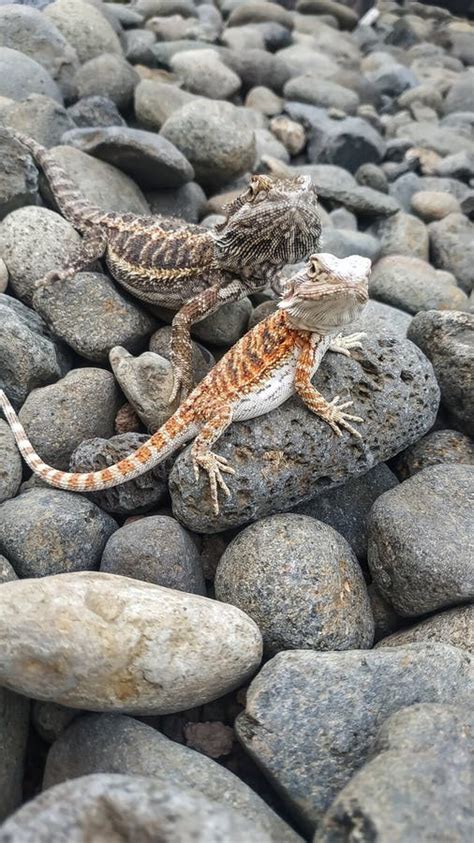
<point x="93" y="246"/>
<point x="219" y="419"/>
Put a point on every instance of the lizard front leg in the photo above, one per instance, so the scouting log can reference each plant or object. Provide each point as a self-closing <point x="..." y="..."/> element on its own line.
<point x="342" y="345"/>
<point x="220" y="417"/>
<point x="331" y="412"/>
<point x="93" y="246"/>
<point x="194" y="310"/>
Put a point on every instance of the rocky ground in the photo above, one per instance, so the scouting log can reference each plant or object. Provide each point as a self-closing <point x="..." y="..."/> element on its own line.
<point x="298" y="667"/>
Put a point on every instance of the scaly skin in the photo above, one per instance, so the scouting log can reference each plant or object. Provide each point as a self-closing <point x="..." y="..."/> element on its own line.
<point x="188" y="268"/>
<point x="275" y="359"/>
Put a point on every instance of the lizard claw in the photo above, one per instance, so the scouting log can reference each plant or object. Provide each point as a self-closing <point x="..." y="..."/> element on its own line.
<point x="337" y="418"/>
<point x="341" y="344"/>
<point x="215" y="465"/>
<point x="53" y="277"/>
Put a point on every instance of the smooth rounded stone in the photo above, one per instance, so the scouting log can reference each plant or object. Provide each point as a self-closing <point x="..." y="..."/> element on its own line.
<point x="48" y="531"/>
<point x="337" y="185"/>
<point x="454" y="626"/>
<point x="150" y="8"/>
<point x="290" y="456"/>
<point x="301" y="59"/>
<point x="147" y="381"/>
<point x="403" y="234"/>
<point x="25" y="29"/>
<point x="432" y="205"/>
<point x="14" y="723"/>
<point x="300" y="582"/>
<point x="419" y="536"/>
<point x="99" y="182"/>
<point x="289" y="132"/>
<point x="137" y="44"/>
<point x="409" y="790"/>
<point x="328" y="708"/>
<point x="118" y="744"/>
<point x="392" y="80"/>
<point x="386" y="619"/>
<point x="452" y="248"/>
<point x="264" y="100"/>
<point x="460" y="96"/>
<point x="155" y="101"/>
<point x="187" y="202"/>
<point x="322" y="92"/>
<point x="412" y="284"/>
<point x="40" y="117"/>
<point x="268" y="145"/>
<point x="11" y="470"/>
<point x="346" y="508"/>
<point x="371" y="175"/>
<point x="84" y="27"/>
<point x="51" y="720"/>
<point x="343" y="219"/>
<point x="136" y="496"/>
<point x="3" y="276"/>
<point x="108" y="76"/>
<point x="425" y="94"/>
<point x="440" y="446"/>
<point x="95" y="112"/>
<point x="259" y="11"/>
<point x="443" y="140"/>
<point x="203" y="73"/>
<point x="347" y="143"/>
<point x="244" y="37"/>
<point x="457" y="166"/>
<point x="257" y="67"/>
<point x="343" y="243"/>
<point x="226" y="326"/>
<point x="447" y="341"/>
<point x="104" y="807"/>
<point x="21" y="76"/>
<point x="347" y="18"/>
<point x="7" y="572"/>
<point x="59" y="417"/>
<point x="131" y="646"/>
<point x="157" y="550"/>
<point x="124" y="15"/>
<point x="91" y="315"/>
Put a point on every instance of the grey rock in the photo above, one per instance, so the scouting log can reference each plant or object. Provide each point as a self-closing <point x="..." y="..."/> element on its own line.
<point x="386" y="619"/>
<point x="187" y="202"/>
<point x="91" y="315"/>
<point x="408" y="791"/>
<point x="300" y="59"/>
<point x="441" y="139"/>
<point x="259" y="11"/>
<point x="47" y="531"/>
<point x="157" y="550"/>
<point x="347" y="18"/>
<point x="164" y="50"/>
<point x="300" y="582"/>
<point x="203" y="73"/>
<point x="92" y="806"/>
<point x="247" y="37"/>
<point x="343" y="243"/>
<point x="125" y="16"/>
<point x="371" y="175"/>
<point x="264" y="100"/>
<point x="59" y="417"/>
<point x="139" y="495"/>
<point x="152" y="160"/>
<point x="50" y="720"/>
<point x="454" y="626"/>
<point x="14" y="717"/>
<point x="328" y="178"/>
<point x="289" y="132"/>
<point x="329" y="707"/>
<point x="94" y="112"/>
<point x="10" y="462"/>
<point x="440" y="446"/>
<point x="257" y="67"/>
<point x="3" y="276"/>
<point x="321" y="92"/>
<point x="7" y="572"/>
<point x="457" y="166"/>
<point x="432" y="205"/>
<point x="343" y="219"/>
<point x="108" y="76"/>
<point x="137" y="44"/>
<point x="18" y="177"/>
<point x="40" y="117"/>
<point x="425" y="94"/>
<point x="364" y="201"/>
<point x="347" y="507"/>
<point x="419" y="537"/>
<point x="404" y="187"/>
<point x="403" y="234"/>
<point x="84" y="27"/>
<point x="147" y="382"/>
<point x="347" y="143"/>
<point x="226" y="326"/>
<point x="290" y="456"/>
<point x="21" y="75"/>
<point x="452" y="248"/>
<point x="150" y="8"/>
<point x="447" y="340"/>
<point x="155" y="101"/>
<point x="392" y="79"/>
<point x="460" y="96"/>
<point x="412" y="284"/>
<point x="212" y="136"/>
<point x="269" y="145"/>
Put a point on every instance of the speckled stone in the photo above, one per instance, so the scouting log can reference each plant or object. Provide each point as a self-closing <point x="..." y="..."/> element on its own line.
<point x="440" y="446"/>
<point x="14" y="721"/>
<point x="454" y="626"/>
<point x="11" y="470"/>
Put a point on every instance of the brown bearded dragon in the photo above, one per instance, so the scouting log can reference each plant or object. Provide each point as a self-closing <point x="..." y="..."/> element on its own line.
<point x="188" y="268"/>
<point x="275" y="359"/>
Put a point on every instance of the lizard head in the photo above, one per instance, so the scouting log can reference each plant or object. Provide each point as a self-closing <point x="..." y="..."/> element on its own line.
<point x="272" y="223"/>
<point x="328" y="293"/>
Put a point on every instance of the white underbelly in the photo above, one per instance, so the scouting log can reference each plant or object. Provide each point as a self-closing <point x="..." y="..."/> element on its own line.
<point x="278" y="387"/>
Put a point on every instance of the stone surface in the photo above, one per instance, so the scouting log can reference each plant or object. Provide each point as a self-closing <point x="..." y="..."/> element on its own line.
<point x="131" y="646"/>
<point x="10" y="462"/>
<point x="413" y="284"/>
<point x="95" y="112"/>
<point x="7" y="573"/>
<point x="147" y="382"/>
<point x="155" y="101"/>
<point x="157" y="550"/>
<point x="117" y="744"/>
<point x="386" y="619"/>
<point x="432" y="205"/>
<point x="84" y="27"/>
<point x="347" y="143"/>
<point x="343" y="243"/>
<point x="321" y="92"/>
<point x="440" y="446"/>
<point x="108" y="76"/>
<point x="18" y="178"/>
<point x="48" y="531"/>
<point x="21" y="75"/>
<point x="441" y="139"/>
<point x="203" y="73"/>
<point x="50" y="720"/>
<point x="454" y="626"/>
<point x="419" y="536"/>
<point x="187" y="202"/>
<point x="329" y="707"/>
<point x="300" y="582"/>
<point x="40" y="117"/>
<point x="403" y="234"/>
<point x="290" y="456"/>
<point x="452" y="248"/>
<point x="14" y="717"/>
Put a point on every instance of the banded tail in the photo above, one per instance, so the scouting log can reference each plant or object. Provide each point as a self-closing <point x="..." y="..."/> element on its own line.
<point x="175" y="432"/>
<point x="70" y="201"/>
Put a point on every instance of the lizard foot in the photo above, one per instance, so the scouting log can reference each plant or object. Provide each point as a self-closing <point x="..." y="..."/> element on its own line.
<point x="182" y="385"/>
<point x="215" y="466"/>
<point x="53" y="277"/>
<point x="337" y="418"/>
<point x="341" y="344"/>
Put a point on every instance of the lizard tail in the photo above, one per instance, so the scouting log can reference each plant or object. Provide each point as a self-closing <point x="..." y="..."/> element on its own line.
<point x="72" y="204"/>
<point x="164" y="442"/>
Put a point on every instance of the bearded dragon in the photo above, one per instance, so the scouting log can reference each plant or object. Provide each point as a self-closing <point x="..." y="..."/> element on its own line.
<point x="272" y="361"/>
<point x="188" y="268"/>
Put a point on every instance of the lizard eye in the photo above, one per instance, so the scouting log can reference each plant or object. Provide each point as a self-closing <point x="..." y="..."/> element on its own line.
<point x="314" y="268"/>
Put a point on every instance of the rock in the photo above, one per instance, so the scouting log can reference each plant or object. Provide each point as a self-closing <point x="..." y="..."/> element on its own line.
<point x="257" y="67"/>
<point x="290" y="456"/>
<point x="457" y="166"/>
<point x="407" y="791"/>
<point x="386" y="619"/>
<point x="371" y="175"/>
<point x="403" y="234"/>
<point x="343" y="219"/>
<point x="259" y="11"/>
<point x="289" y="132"/>
<point x="329" y="706"/>
<point x="381" y="318"/>
<point x="454" y="626"/>
<point x="59" y="417"/>
<point x="51" y="720"/>
<point x="131" y="646"/>
<point x="264" y="100"/>
<point x="440" y="446"/>
<point x="92" y="806"/>
<point x="147" y="382"/>
<point x="150" y="8"/>
<point x="300" y="60"/>
<point x="202" y="359"/>
<point x="137" y="44"/>
<point x="108" y="76"/>
<point x="441" y="139"/>
<point x="138" y="495"/>
<point x="424" y="94"/>
<point x="346" y="18"/>
<point x="346" y="508"/>
<point x="322" y="92"/>
<point x="10" y="463"/>
<point x="211" y="135"/>
<point x="3" y="276"/>
<point x="431" y="205"/>
<point x="18" y="178"/>
<point x="21" y="76"/>
<point x="14" y="717"/>
<point x="460" y="96"/>
<point x="40" y="117"/>
<point x="152" y="160"/>
<point x="452" y="248"/>
<point x="226" y="326"/>
<point x="300" y="582"/>
<point x="245" y="37"/>
<point x="7" y="573"/>
<point x="419" y="538"/>
<point x="203" y="73"/>
<point x="347" y="143"/>
<point x="187" y="202"/>
<point x="84" y="27"/>
<point x="446" y="339"/>
<point x="95" y="112"/>
<point x="155" y="101"/>
<point x="413" y="285"/>
<point x="48" y="531"/>
<point x="344" y="243"/>
<point x="157" y="550"/>
<point x="392" y="79"/>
